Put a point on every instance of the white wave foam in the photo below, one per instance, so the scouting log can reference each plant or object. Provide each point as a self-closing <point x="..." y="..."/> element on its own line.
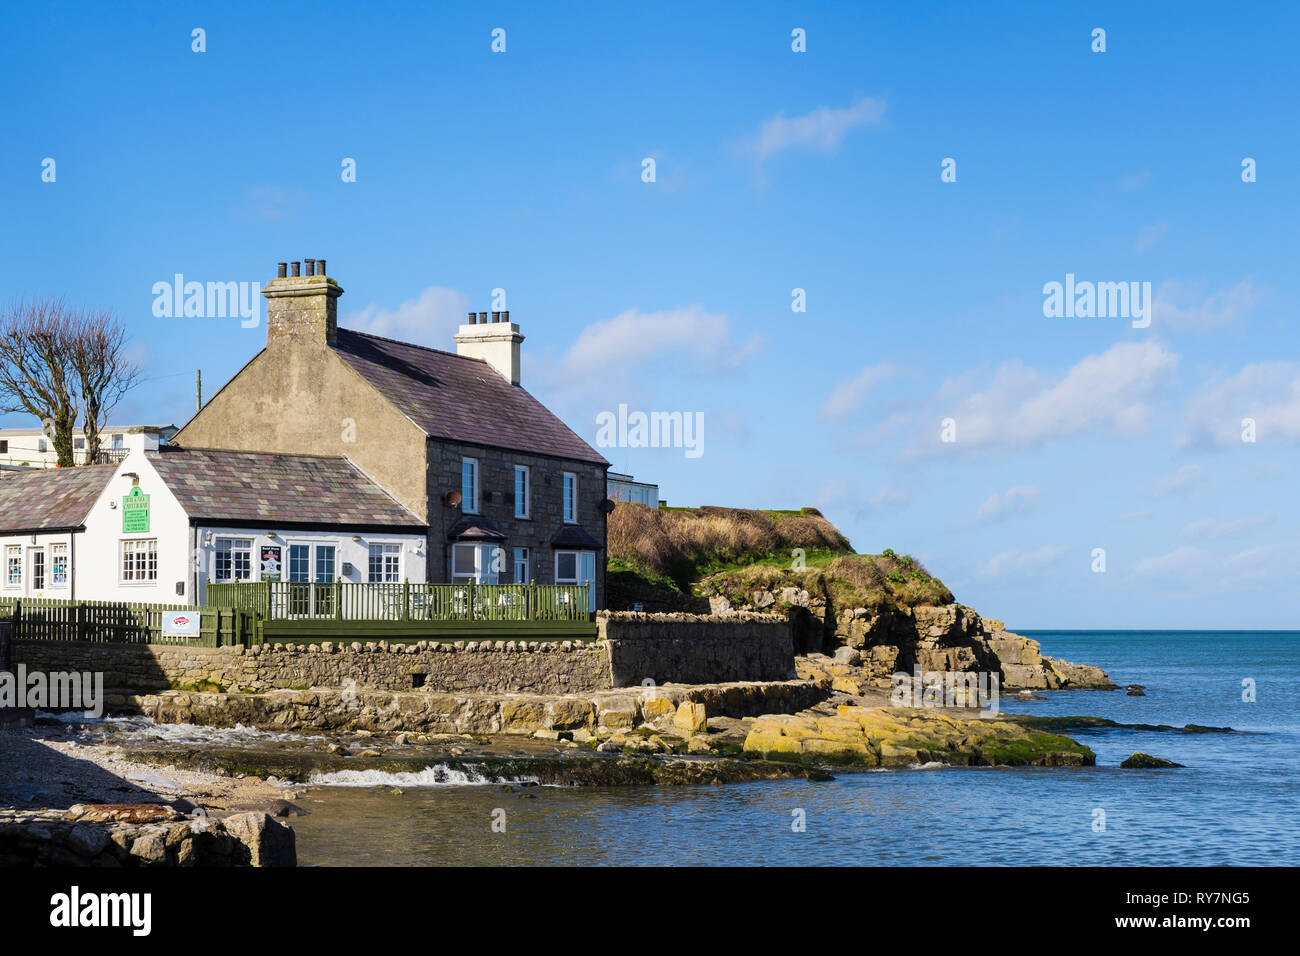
<point x="439" y="775"/>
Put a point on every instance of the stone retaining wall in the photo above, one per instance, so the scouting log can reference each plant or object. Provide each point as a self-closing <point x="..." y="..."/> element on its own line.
<point x="484" y="667"/>
<point x="634" y="648"/>
<point x="696" y="648"/>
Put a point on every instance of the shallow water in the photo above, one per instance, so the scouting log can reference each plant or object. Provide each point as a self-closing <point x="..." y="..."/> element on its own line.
<point x="1235" y="803"/>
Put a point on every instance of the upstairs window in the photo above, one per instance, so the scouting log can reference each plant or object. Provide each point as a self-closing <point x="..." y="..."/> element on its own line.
<point x="469" y="485"/>
<point x="570" y="498"/>
<point x="522" y="481"/>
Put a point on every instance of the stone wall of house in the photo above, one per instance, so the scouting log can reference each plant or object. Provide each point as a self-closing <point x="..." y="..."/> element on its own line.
<point x="696" y="648"/>
<point x="497" y="506"/>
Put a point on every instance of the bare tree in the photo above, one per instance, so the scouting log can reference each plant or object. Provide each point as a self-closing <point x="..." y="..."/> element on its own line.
<point x="61" y="364"/>
<point x="105" y="373"/>
<point x="34" y="376"/>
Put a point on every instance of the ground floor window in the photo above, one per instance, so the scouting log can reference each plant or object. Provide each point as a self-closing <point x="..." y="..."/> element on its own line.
<point x="385" y="563"/>
<point x="234" y="559"/>
<point x="577" y="567"/>
<point x="521" y="566"/>
<point x="480" y="563"/>
<point x="14" y="566"/>
<point x="59" y="565"/>
<point x="139" y="560"/>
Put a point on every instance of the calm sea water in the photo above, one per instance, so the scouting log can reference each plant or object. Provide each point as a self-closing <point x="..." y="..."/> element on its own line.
<point x="1237" y="801"/>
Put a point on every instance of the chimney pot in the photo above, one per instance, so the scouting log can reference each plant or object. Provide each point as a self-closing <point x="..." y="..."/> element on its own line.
<point x="320" y="267"/>
<point x="496" y="316"/>
<point x="505" y="316"/>
<point x="295" y="268"/>
<point x="482" y="318"/>
<point x="311" y="267"/>
<point x="282" y="269"/>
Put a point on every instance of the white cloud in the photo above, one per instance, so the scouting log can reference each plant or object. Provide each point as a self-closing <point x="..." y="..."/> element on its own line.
<point x="1019" y="407"/>
<point x="608" y="357"/>
<point x="1179" y="562"/>
<point x="822" y="129"/>
<point x="1211" y="530"/>
<point x="1185" y="309"/>
<point x="849" y="394"/>
<point x="1267" y="392"/>
<point x="429" y="319"/>
<point x="1183" y="479"/>
<point x="1148" y="236"/>
<point x="1016" y="499"/>
<point x="1023" y="562"/>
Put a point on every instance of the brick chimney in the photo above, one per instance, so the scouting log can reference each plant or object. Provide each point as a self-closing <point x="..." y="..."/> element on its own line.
<point x="301" y="307"/>
<point x="495" y="341"/>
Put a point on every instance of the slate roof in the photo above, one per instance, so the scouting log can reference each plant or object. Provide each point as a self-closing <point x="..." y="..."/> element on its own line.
<point x="55" y="499"/>
<point x="574" y="536"/>
<point x="461" y="399"/>
<point x="475" y="528"/>
<point x="214" y="485"/>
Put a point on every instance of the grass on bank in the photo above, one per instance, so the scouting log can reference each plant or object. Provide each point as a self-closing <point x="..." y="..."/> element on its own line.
<point x="736" y="551"/>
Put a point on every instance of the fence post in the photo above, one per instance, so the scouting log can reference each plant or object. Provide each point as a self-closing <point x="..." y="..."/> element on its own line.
<point x="338" y="600"/>
<point x="406" y="599"/>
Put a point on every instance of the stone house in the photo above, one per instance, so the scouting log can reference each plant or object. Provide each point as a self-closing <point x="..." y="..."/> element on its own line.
<point x="507" y="491"/>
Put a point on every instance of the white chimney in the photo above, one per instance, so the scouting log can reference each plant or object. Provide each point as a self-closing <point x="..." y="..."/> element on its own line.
<point x="495" y="342"/>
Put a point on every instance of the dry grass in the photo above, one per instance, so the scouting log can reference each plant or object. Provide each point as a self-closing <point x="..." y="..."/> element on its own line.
<point x="684" y="544"/>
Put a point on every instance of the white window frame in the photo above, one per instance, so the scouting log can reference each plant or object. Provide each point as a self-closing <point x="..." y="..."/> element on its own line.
<point x="13" y="551"/>
<point x="313" y="547"/>
<point x="149" y="552"/>
<point x="386" y="548"/>
<point x="526" y="511"/>
<point x="482" y="572"/>
<point x="253" y="566"/>
<point x="578" y="556"/>
<point x="59" y="550"/>
<point x="521" y="561"/>
<point x="469" y="505"/>
<point x="32" y="554"/>
<point x="569" y="500"/>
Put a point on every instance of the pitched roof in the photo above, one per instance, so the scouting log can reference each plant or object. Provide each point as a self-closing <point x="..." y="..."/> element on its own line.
<point x="216" y="485"/>
<point x="51" y="500"/>
<point x="459" y="398"/>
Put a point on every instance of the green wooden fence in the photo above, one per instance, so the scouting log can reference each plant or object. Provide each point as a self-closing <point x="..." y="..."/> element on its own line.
<point x="277" y="601"/>
<point x="118" y="622"/>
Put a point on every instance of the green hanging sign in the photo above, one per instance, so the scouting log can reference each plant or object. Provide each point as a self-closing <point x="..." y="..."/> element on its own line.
<point x="135" y="512"/>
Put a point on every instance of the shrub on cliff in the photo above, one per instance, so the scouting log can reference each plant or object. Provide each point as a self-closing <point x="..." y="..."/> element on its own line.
<point x="685" y="544"/>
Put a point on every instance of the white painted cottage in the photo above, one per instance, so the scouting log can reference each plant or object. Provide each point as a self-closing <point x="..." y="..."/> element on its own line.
<point x="165" y="521"/>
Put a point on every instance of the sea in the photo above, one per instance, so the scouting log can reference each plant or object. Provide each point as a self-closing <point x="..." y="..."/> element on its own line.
<point x="1236" y="801"/>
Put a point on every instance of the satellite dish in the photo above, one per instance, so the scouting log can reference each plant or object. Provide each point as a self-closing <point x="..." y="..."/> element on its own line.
<point x="452" y="498"/>
<point x="607" y="505"/>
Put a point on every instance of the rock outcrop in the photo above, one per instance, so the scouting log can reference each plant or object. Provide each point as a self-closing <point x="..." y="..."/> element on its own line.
<point x="949" y="637"/>
<point x="116" y="835"/>
<point x="902" y="737"/>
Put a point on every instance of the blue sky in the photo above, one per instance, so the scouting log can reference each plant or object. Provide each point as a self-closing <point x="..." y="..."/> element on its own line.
<point x="775" y="170"/>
